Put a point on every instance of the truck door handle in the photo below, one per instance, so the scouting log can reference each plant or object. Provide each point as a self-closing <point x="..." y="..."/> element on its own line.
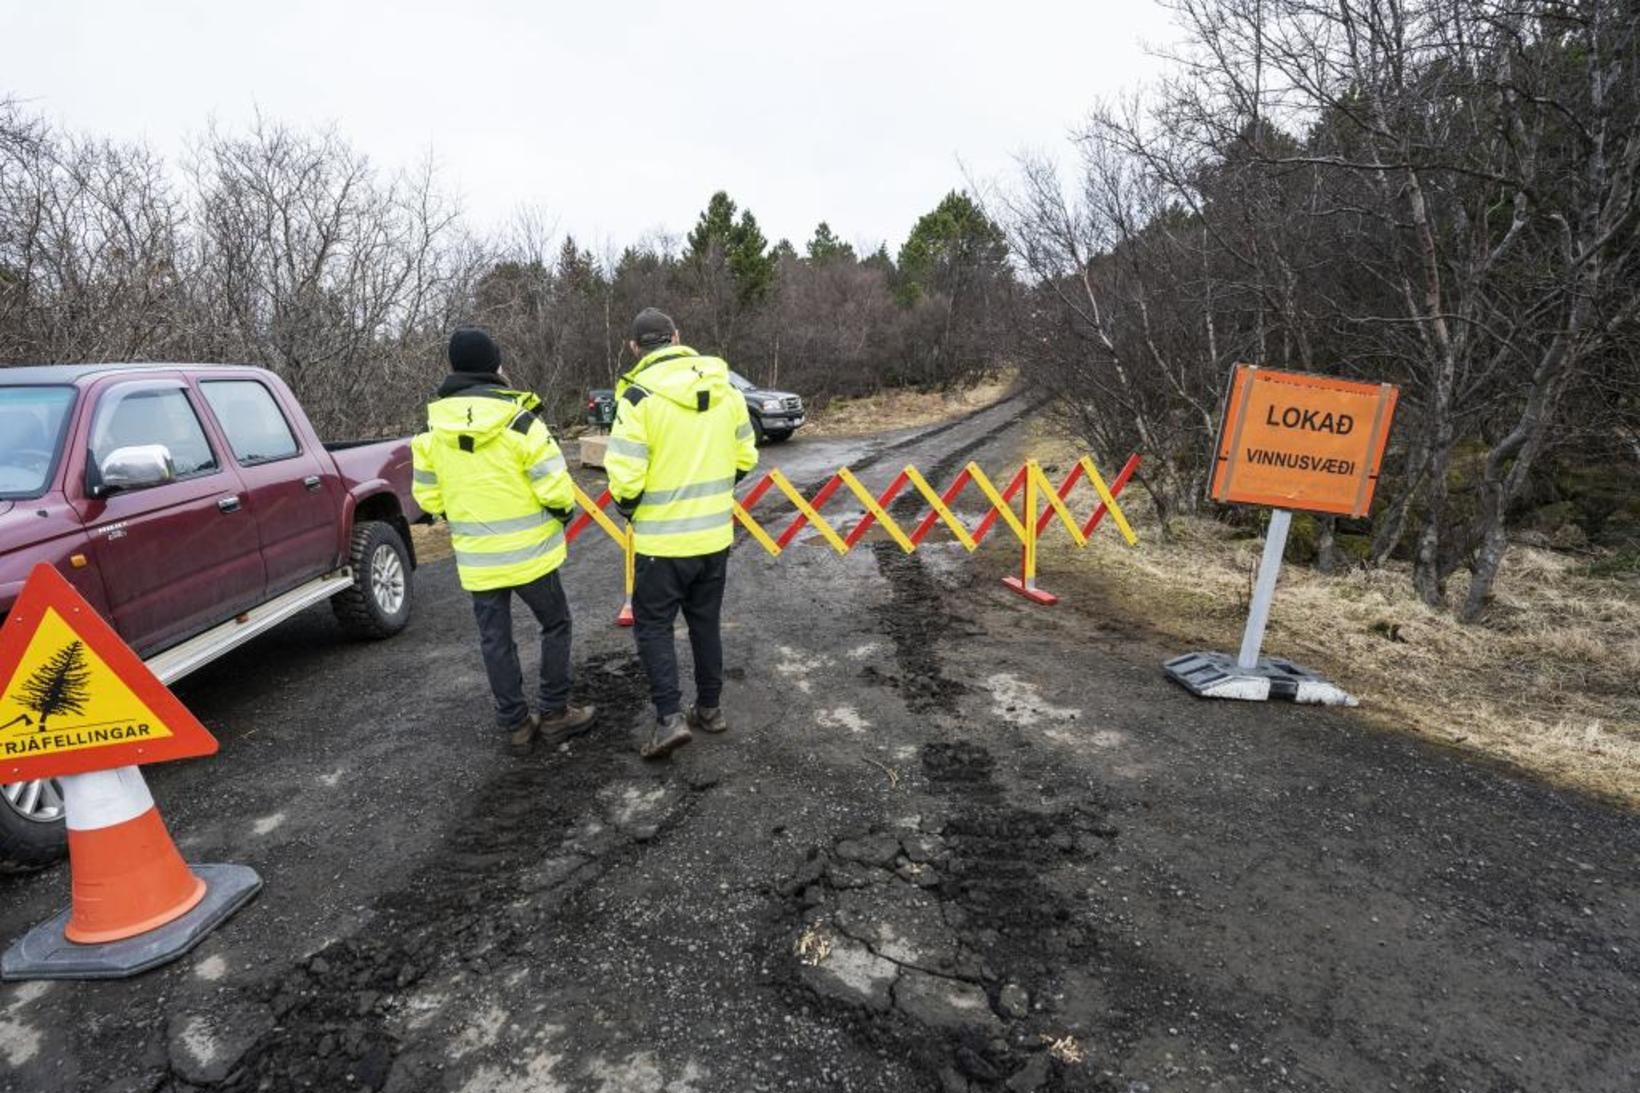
<point x="311" y="481"/>
<point x="228" y="504"/>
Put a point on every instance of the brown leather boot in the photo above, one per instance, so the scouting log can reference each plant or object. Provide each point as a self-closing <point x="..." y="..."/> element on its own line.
<point x="708" y="719"/>
<point x="666" y="737"/>
<point x="522" y="739"/>
<point x="560" y="725"/>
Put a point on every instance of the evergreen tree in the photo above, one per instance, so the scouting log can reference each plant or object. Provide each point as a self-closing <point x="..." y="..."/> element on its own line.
<point x="880" y="259"/>
<point x="825" y="246"/>
<point x="60" y="685"/>
<point x="953" y="245"/>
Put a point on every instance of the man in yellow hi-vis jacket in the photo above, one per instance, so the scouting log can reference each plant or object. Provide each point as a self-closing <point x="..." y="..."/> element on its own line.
<point x="489" y="466"/>
<point x="681" y="440"/>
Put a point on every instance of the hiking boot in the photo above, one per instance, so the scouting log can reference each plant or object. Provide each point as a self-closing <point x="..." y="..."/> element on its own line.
<point x="668" y="735"/>
<point x="708" y="719"/>
<point x="522" y="739"/>
<point x="560" y="725"/>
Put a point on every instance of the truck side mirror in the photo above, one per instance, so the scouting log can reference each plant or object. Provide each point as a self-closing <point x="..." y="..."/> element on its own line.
<point x="134" y="468"/>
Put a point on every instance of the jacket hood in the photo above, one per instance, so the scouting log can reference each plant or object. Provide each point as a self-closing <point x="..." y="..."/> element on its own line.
<point x="475" y="406"/>
<point x="678" y="375"/>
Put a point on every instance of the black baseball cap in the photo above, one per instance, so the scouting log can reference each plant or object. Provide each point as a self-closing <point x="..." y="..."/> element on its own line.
<point x="653" y="327"/>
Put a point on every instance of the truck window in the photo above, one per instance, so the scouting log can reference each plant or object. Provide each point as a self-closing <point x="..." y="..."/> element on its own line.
<point x="133" y="415"/>
<point x="256" y="430"/>
<point x="32" y="420"/>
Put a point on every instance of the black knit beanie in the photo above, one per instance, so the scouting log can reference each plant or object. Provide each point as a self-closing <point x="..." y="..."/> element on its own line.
<point x="473" y="350"/>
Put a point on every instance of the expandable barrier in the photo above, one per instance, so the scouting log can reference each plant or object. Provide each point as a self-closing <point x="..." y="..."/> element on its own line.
<point x="1027" y="525"/>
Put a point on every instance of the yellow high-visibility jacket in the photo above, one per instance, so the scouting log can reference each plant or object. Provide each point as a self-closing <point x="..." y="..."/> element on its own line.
<point x="490" y="466"/>
<point x="681" y="438"/>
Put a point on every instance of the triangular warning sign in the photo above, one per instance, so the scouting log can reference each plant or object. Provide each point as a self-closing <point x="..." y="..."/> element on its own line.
<point x="76" y="698"/>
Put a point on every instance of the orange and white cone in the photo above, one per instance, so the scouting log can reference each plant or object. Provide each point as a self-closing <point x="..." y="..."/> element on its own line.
<point x="128" y="877"/>
<point x="136" y="904"/>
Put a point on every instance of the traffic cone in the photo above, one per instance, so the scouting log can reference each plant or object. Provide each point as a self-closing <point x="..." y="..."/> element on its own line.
<point x="128" y="877"/>
<point x="136" y="904"/>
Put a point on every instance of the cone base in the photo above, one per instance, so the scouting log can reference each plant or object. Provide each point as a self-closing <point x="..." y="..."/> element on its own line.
<point x="1035" y="595"/>
<point x="44" y="953"/>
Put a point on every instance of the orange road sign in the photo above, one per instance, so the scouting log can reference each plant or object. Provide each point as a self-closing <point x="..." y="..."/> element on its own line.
<point x="1296" y="441"/>
<point x="76" y="698"/>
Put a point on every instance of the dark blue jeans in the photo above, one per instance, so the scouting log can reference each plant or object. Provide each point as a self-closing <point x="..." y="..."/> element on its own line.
<point x="544" y="596"/>
<point x="663" y="586"/>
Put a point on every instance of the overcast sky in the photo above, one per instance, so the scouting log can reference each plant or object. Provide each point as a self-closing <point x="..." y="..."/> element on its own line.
<point x="612" y="118"/>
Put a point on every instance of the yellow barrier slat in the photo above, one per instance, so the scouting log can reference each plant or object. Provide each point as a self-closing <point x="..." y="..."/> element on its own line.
<point x="937" y="503"/>
<point x="1003" y="508"/>
<point x="756" y="531"/>
<point x="802" y="503"/>
<point x="876" y="510"/>
<point x="1105" y="495"/>
<point x="1058" y="506"/>
<point x="598" y="517"/>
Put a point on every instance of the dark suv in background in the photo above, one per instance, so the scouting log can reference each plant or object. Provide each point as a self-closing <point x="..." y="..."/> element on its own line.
<point x="775" y="414"/>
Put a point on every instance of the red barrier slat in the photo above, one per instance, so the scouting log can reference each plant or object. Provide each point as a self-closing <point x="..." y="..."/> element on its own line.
<point x="814" y="502"/>
<point x="991" y="517"/>
<point x="755" y="494"/>
<point x="1064" y="491"/>
<point x="583" y="520"/>
<point x="883" y="501"/>
<point x="948" y="496"/>
<point x="1115" y="491"/>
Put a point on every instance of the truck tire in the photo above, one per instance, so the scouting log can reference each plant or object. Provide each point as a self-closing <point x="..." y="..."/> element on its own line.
<point x="757" y="430"/>
<point x="378" y="603"/>
<point x="32" y="833"/>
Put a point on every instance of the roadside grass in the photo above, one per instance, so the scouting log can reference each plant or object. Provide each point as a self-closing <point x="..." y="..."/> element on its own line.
<point x="432" y="541"/>
<point x="905" y="409"/>
<point x="1548" y="683"/>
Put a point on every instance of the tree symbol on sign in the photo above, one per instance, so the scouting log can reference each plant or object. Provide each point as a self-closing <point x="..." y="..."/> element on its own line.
<point x="60" y="685"/>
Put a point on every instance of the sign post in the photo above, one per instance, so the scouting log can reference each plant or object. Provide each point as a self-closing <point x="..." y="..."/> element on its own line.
<point x="78" y="705"/>
<point x="1289" y="441"/>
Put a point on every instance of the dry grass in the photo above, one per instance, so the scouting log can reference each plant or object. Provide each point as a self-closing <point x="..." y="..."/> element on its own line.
<point x="432" y="541"/>
<point x="898" y="409"/>
<point x="1547" y="684"/>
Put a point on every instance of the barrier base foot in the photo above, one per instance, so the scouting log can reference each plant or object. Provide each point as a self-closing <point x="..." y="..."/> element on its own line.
<point x="1216" y="675"/>
<point x="623" y="617"/>
<point x="44" y="953"/>
<point x="1035" y="595"/>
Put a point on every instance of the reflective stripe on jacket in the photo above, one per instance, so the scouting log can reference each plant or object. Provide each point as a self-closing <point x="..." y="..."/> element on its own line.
<point x="680" y="436"/>
<point x="490" y="466"/>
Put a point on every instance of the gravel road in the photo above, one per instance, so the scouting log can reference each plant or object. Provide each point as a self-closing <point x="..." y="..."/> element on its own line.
<point x="952" y="842"/>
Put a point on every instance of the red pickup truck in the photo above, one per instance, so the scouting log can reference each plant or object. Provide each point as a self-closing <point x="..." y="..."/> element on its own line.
<point x="195" y="507"/>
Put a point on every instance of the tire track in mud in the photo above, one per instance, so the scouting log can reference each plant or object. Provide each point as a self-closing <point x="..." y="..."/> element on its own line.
<point x="916" y="617"/>
<point x="946" y="941"/>
<point x="472" y="909"/>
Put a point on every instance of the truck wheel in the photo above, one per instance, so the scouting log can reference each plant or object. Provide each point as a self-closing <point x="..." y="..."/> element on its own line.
<point x="378" y="603"/>
<point x="758" y="434"/>
<point x="32" y="834"/>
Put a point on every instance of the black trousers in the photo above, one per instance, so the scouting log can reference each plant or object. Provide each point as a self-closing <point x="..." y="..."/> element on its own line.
<point x="545" y="598"/>
<point x="662" y="587"/>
